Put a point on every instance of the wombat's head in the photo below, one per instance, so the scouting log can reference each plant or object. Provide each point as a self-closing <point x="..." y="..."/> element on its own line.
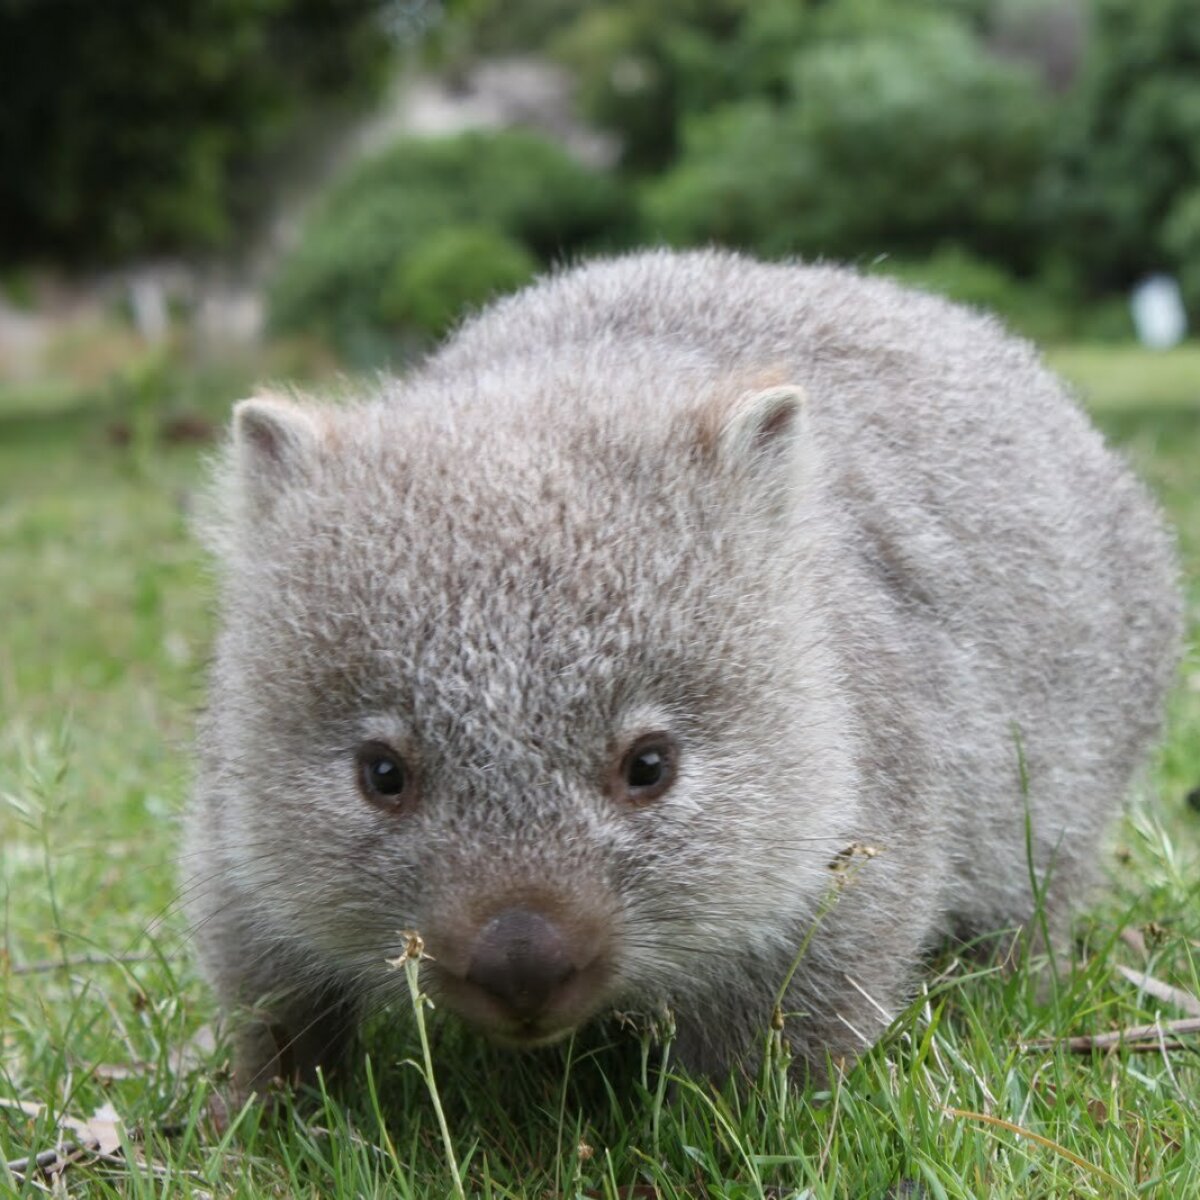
<point x="544" y="681"/>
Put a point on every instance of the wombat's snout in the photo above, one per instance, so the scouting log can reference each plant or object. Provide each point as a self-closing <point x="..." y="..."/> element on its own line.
<point x="521" y="959"/>
<point x="526" y="969"/>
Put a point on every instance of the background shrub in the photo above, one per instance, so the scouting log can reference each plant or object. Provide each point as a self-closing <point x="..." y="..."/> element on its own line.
<point x="1056" y="140"/>
<point x="458" y="268"/>
<point x="644" y="67"/>
<point x="1181" y="240"/>
<point x="882" y="144"/>
<point x="135" y="127"/>
<point x="1127" y="160"/>
<point x="1039" y="308"/>
<point x="398" y="220"/>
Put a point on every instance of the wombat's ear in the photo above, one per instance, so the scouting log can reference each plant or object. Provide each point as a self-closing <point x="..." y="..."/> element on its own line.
<point x="275" y="444"/>
<point x="765" y="424"/>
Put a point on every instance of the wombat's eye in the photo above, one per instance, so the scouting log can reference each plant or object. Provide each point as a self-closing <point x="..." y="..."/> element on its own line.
<point x="383" y="778"/>
<point x="647" y="768"/>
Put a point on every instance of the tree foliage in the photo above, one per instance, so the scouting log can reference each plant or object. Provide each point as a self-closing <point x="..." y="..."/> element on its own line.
<point x="1125" y="183"/>
<point x="126" y="127"/>
<point x="1056" y="139"/>
<point x="880" y="144"/>
<point x="461" y="217"/>
<point x="458" y="268"/>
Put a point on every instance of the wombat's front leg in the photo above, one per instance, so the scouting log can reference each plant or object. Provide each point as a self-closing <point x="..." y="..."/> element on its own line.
<point x="286" y="1038"/>
<point x="285" y="1021"/>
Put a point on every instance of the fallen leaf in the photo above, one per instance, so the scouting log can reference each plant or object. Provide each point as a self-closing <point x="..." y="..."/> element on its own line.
<point x="1167" y="993"/>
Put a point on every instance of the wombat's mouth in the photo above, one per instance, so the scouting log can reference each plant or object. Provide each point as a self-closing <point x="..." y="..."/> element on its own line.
<point x="524" y="1022"/>
<point x="528" y="1038"/>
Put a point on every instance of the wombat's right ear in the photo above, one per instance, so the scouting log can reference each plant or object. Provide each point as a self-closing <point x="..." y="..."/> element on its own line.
<point x="275" y="444"/>
<point x="761" y="424"/>
<point x="761" y="438"/>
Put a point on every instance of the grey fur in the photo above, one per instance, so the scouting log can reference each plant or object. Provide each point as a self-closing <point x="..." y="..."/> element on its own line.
<point x="604" y="507"/>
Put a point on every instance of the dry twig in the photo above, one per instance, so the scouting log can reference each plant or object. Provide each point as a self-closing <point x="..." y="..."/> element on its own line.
<point x="1135" y="1037"/>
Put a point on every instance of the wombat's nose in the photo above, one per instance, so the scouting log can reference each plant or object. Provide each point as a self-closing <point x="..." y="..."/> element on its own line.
<point x="520" y="958"/>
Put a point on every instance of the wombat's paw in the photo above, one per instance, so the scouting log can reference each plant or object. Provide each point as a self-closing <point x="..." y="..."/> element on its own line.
<point x="303" y="1046"/>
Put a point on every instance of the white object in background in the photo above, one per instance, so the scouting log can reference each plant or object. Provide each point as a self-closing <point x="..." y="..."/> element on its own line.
<point x="1158" y="313"/>
<point x="148" y="300"/>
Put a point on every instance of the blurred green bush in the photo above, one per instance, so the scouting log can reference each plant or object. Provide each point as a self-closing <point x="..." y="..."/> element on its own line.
<point x="395" y="249"/>
<point x="137" y="127"/>
<point x="458" y="268"/>
<point x="1035" y="156"/>
<point x="644" y="68"/>
<point x="880" y="144"/>
<point x="1181" y="237"/>
<point x="1039" y="308"/>
<point x="1056" y="141"/>
<point x="1125" y="168"/>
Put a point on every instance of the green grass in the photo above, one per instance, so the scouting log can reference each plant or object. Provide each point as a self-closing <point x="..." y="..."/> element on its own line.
<point x="106" y="626"/>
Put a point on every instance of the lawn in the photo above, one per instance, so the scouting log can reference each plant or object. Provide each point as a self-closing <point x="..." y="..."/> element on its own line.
<point x="106" y="624"/>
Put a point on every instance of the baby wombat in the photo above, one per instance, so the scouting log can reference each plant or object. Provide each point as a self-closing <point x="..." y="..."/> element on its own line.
<point x="685" y="626"/>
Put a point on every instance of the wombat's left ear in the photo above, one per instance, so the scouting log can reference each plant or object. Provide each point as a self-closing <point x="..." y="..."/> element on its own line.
<point x="763" y="425"/>
<point x="275" y="444"/>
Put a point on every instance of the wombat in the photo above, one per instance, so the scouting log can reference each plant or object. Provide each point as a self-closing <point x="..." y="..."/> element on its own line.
<point x="687" y="634"/>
